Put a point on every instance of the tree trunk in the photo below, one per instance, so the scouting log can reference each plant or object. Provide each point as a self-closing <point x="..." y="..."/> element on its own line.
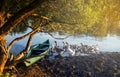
<point x="3" y="54"/>
<point x="6" y="26"/>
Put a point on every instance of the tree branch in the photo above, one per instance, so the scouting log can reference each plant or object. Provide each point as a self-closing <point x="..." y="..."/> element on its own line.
<point x="30" y="33"/>
<point x="59" y="38"/>
<point x="57" y="21"/>
<point x="19" y="16"/>
<point x="2" y="5"/>
<point x="18" y="58"/>
<point x="2" y="12"/>
<point x="19" y="38"/>
<point x="25" y="51"/>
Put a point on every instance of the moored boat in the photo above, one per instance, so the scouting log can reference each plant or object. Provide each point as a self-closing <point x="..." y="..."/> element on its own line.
<point x="37" y="52"/>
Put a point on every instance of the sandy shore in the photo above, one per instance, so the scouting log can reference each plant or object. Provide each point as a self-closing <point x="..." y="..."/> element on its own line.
<point x="95" y="65"/>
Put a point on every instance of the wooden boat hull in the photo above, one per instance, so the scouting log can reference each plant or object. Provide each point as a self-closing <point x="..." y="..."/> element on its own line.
<point x="32" y="60"/>
<point x="37" y="52"/>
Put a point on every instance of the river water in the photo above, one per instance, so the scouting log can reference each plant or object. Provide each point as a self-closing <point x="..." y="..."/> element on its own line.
<point x="106" y="44"/>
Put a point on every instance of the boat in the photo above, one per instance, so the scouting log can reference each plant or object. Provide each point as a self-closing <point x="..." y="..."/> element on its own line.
<point x="37" y="52"/>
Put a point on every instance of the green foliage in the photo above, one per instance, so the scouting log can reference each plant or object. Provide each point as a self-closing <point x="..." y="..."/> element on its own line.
<point x="20" y="29"/>
<point x="91" y="17"/>
<point x="13" y="6"/>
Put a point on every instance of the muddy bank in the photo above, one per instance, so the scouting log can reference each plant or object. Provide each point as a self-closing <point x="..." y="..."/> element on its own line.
<point x="94" y="65"/>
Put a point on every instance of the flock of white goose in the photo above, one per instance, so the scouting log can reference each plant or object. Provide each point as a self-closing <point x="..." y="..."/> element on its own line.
<point x="73" y="50"/>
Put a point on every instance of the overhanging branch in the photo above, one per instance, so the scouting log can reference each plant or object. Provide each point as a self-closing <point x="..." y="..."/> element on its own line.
<point x="57" y="21"/>
<point x="2" y="5"/>
<point x="19" y="16"/>
<point x="25" y="51"/>
<point x="18" y="58"/>
<point x="19" y="38"/>
<point x="30" y="33"/>
<point x="59" y="38"/>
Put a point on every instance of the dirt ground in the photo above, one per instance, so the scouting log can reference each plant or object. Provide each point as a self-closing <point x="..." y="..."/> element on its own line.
<point x="95" y="65"/>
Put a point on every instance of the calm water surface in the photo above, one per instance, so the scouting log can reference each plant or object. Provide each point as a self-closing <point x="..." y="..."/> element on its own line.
<point x="107" y="44"/>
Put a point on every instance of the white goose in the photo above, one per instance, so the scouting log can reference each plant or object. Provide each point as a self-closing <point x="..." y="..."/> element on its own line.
<point x="95" y="48"/>
<point x="55" y="50"/>
<point x="83" y="48"/>
<point x="58" y="49"/>
<point x="64" y="45"/>
<point x="72" y="52"/>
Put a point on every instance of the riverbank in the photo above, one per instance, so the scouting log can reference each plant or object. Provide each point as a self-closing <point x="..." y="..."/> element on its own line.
<point x="95" y="65"/>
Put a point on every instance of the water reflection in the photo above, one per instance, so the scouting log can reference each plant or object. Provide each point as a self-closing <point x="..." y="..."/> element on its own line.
<point x="109" y="43"/>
